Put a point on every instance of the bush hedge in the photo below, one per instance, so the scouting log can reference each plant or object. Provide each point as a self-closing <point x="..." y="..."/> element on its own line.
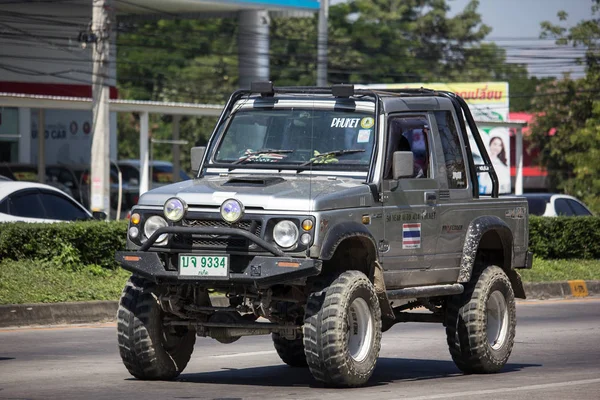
<point x="565" y="237"/>
<point x="67" y="245"/>
<point x="93" y="243"/>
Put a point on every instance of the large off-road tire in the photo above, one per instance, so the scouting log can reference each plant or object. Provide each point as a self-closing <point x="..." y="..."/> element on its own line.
<point x="150" y="350"/>
<point x="342" y="331"/>
<point x="291" y="352"/>
<point x="481" y="322"/>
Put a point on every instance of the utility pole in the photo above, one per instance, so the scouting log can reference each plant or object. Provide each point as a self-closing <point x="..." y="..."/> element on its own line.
<point x="100" y="164"/>
<point x="322" y="38"/>
<point x="253" y="46"/>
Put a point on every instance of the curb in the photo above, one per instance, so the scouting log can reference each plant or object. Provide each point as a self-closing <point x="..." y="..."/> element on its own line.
<point x="105" y="311"/>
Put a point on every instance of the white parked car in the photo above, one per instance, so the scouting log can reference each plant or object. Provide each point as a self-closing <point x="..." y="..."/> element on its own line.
<point x="35" y="202"/>
<point x="554" y="205"/>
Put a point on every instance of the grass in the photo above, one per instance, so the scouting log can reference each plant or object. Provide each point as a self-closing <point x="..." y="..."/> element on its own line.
<point x="561" y="270"/>
<point x="30" y="281"/>
<point x="45" y="282"/>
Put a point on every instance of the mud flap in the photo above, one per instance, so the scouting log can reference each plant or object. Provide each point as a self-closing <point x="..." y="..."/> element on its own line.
<point x="517" y="284"/>
<point x="387" y="314"/>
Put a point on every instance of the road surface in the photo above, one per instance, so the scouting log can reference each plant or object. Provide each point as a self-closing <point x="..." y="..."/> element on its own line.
<point x="556" y="356"/>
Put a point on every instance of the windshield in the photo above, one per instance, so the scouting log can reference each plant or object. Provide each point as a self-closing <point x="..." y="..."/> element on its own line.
<point x="298" y="137"/>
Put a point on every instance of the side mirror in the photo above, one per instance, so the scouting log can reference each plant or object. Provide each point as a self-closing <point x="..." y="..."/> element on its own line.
<point x="196" y="155"/>
<point x="403" y="164"/>
<point x="99" y="215"/>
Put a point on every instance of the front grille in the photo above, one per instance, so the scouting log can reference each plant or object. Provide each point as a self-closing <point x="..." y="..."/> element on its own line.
<point x="218" y="242"/>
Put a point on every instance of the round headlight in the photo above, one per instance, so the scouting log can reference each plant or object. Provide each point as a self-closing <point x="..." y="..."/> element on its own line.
<point x="232" y="211"/>
<point x="152" y="224"/>
<point x="175" y="209"/>
<point x="285" y="233"/>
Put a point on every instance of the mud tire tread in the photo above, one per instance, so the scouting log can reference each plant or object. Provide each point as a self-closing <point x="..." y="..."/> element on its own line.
<point x="325" y="336"/>
<point x="466" y="323"/>
<point x="139" y="333"/>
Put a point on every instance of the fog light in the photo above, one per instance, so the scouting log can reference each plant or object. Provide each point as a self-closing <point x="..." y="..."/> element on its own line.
<point x="305" y="239"/>
<point x="174" y="209"/>
<point x="232" y="211"/>
<point x="133" y="232"/>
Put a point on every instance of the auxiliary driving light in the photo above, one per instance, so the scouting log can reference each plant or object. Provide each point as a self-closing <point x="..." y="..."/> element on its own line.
<point x="174" y="209"/>
<point x="232" y="211"/>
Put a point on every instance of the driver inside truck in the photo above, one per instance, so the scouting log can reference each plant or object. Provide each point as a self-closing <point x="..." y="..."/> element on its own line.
<point x="399" y="142"/>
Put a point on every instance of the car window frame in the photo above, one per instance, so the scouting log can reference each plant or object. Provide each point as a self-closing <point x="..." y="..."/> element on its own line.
<point x="24" y="192"/>
<point x="561" y="199"/>
<point x="570" y="202"/>
<point x="64" y="197"/>
<point x="429" y="172"/>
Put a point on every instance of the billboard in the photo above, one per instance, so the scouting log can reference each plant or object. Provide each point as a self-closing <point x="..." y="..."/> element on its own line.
<point x="488" y="101"/>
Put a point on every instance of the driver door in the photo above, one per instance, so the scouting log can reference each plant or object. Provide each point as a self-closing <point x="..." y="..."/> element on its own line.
<point x="411" y="226"/>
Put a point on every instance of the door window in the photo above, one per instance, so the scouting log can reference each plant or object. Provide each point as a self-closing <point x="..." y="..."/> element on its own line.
<point x="578" y="208"/>
<point x="562" y="208"/>
<point x="455" y="164"/>
<point x="27" y="205"/>
<point x="58" y="207"/>
<point x="409" y="133"/>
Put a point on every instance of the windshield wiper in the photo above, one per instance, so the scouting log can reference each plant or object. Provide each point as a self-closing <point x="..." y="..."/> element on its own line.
<point x="332" y="153"/>
<point x="248" y="156"/>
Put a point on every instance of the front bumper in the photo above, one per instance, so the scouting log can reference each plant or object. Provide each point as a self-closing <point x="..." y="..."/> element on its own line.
<point x="260" y="271"/>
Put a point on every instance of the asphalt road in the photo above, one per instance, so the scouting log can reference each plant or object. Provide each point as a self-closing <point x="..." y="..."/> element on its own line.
<point x="555" y="357"/>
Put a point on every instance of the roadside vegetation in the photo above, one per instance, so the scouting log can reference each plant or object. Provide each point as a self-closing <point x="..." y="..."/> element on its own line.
<point x="48" y="263"/>
<point x="26" y="281"/>
<point x="561" y="270"/>
<point x="30" y="281"/>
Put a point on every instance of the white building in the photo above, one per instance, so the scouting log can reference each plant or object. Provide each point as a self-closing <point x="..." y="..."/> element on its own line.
<point x="41" y="53"/>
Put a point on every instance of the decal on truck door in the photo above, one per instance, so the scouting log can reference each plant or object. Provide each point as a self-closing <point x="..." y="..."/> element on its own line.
<point x="411" y="236"/>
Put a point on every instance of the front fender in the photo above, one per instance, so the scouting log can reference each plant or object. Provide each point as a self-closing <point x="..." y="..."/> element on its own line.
<point x="345" y="230"/>
<point x="475" y="232"/>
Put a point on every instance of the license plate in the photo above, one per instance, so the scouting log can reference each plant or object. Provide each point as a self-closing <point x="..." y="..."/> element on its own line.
<point x="209" y="266"/>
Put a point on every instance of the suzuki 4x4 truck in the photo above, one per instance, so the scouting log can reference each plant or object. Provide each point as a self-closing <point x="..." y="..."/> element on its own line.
<point x="324" y="216"/>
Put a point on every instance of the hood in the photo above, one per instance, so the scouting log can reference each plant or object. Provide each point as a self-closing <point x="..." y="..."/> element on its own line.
<point x="268" y="192"/>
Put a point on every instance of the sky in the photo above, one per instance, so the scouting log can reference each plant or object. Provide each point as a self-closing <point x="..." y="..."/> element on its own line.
<point x="516" y="26"/>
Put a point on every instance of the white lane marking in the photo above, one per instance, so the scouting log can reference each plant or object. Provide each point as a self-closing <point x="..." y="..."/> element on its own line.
<point x="250" y="354"/>
<point x="507" y="390"/>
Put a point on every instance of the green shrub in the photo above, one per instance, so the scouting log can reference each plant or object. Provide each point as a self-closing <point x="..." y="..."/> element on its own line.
<point x="565" y="237"/>
<point x="66" y="245"/>
<point x="71" y="246"/>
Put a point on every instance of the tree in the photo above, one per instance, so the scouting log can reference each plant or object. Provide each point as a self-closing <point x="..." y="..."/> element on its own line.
<point x="370" y="41"/>
<point x="174" y="60"/>
<point x="571" y="109"/>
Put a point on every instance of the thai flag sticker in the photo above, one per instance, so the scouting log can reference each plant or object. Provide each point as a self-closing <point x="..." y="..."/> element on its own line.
<point x="411" y="236"/>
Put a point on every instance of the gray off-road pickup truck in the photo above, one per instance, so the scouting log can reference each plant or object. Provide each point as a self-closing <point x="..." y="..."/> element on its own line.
<point x="323" y="216"/>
